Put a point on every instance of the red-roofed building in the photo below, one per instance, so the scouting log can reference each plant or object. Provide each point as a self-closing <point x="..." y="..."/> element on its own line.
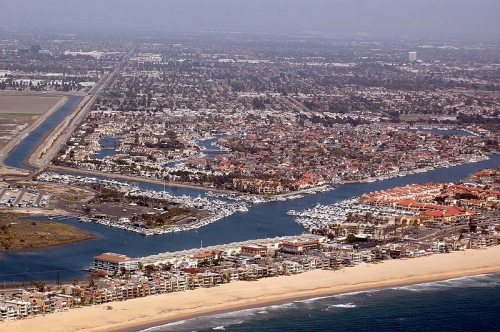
<point x="299" y="247"/>
<point x="255" y="250"/>
<point x="207" y="257"/>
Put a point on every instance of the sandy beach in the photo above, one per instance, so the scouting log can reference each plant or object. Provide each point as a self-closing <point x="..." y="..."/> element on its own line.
<point x="153" y="310"/>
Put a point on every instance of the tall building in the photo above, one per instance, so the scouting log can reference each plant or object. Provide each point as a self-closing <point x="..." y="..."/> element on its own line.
<point x="35" y="48"/>
<point x="112" y="263"/>
<point x="412" y="56"/>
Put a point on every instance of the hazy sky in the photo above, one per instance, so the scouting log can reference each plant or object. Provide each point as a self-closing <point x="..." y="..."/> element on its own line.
<point x="478" y="19"/>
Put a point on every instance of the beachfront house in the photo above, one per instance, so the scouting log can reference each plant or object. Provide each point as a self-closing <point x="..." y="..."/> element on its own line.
<point x="7" y="311"/>
<point x="299" y="248"/>
<point x="207" y="258"/>
<point x="22" y="309"/>
<point x="291" y="267"/>
<point x="255" y="250"/>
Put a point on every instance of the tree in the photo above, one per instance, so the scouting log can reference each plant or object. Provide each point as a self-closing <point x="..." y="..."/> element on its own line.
<point x="39" y="285"/>
<point x="149" y="268"/>
<point x="92" y="283"/>
<point x="351" y="238"/>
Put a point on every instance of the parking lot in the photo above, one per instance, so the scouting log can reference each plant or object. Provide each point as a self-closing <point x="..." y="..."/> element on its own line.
<point x="22" y="197"/>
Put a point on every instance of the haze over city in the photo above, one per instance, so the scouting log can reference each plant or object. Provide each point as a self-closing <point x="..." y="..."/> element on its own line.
<point x="463" y="19"/>
<point x="257" y="165"/>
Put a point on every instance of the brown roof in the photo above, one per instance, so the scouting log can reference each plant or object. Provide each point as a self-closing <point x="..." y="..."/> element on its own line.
<point x="115" y="258"/>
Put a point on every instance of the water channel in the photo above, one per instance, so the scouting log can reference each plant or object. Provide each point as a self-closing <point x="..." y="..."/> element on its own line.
<point x="21" y="152"/>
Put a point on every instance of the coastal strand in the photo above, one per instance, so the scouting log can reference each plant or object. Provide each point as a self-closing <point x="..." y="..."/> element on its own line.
<point x="156" y="310"/>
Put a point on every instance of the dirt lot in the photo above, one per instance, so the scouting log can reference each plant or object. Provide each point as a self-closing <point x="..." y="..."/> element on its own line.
<point x="18" y="110"/>
<point x="16" y="233"/>
<point x="13" y="124"/>
<point x="20" y="103"/>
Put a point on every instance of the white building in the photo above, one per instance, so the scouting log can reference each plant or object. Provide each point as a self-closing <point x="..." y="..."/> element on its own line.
<point x="412" y="56"/>
<point x="112" y="263"/>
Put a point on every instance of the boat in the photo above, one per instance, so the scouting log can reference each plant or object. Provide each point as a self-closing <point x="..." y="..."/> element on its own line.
<point x="242" y="208"/>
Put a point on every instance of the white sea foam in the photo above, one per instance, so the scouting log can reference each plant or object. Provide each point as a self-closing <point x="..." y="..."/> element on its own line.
<point x="232" y="314"/>
<point x="344" y="305"/>
<point x="162" y="327"/>
<point x="314" y="299"/>
<point x="219" y="328"/>
<point x="357" y="293"/>
<point x="469" y="281"/>
<point x="281" y="306"/>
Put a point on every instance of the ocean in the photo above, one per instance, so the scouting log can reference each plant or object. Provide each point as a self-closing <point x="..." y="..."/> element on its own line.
<point x="461" y="304"/>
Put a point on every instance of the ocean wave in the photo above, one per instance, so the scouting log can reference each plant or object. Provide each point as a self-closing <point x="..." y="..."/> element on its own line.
<point x="164" y="326"/>
<point x="281" y="306"/>
<point x="314" y="299"/>
<point x="367" y="292"/>
<point x="477" y="281"/>
<point x="344" y="305"/>
<point x="215" y="322"/>
<point x="232" y="314"/>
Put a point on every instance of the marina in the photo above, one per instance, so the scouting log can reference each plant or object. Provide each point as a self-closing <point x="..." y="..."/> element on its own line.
<point x="256" y="199"/>
<point x="325" y="216"/>
<point x="216" y="209"/>
<point x="261" y="221"/>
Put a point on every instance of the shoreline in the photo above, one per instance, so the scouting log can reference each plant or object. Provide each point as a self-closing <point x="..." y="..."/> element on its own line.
<point x="160" y="322"/>
<point x="140" y="313"/>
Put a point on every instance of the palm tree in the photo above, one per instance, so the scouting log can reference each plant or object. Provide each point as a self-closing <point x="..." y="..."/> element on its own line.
<point x="40" y="285"/>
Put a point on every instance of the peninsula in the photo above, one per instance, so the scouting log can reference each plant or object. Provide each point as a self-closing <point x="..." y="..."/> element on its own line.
<point x="152" y="311"/>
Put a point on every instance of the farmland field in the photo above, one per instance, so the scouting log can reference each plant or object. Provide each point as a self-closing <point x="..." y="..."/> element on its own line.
<point x="26" y="103"/>
<point x="19" y="110"/>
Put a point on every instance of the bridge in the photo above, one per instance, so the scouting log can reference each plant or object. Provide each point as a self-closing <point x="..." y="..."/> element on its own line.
<point x="215" y="150"/>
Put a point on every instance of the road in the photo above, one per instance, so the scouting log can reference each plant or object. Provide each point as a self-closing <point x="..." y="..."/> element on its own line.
<point x="43" y="154"/>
